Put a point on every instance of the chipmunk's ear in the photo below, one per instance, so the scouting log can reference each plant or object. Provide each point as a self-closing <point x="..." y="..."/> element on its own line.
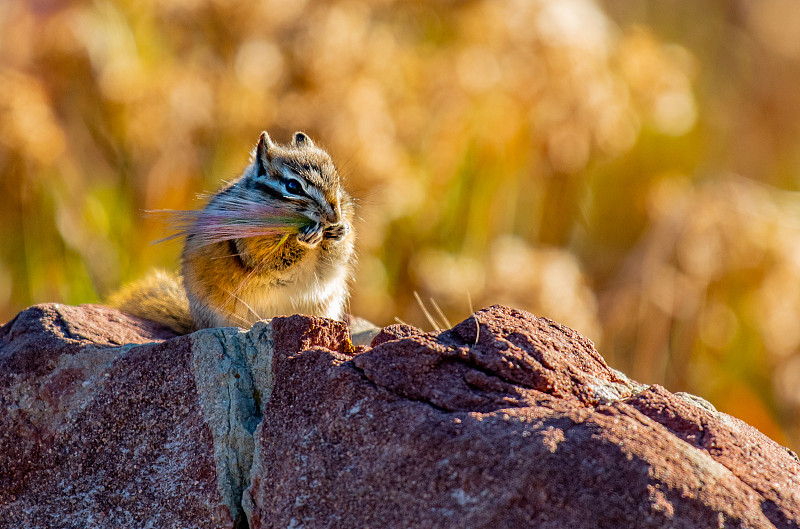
<point x="301" y="140"/>
<point x="262" y="155"/>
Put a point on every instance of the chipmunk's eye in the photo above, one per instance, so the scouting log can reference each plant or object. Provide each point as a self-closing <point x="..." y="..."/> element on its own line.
<point x="294" y="187"/>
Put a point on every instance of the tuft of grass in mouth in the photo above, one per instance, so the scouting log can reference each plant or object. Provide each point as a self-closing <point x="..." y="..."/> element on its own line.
<point x="233" y="218"/>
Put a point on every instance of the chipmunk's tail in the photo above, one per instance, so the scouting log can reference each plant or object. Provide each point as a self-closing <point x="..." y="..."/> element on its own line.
<point x="158" y="297"/>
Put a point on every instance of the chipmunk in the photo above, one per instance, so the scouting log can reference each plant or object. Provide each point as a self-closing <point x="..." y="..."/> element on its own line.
<point x="278" y="240"/>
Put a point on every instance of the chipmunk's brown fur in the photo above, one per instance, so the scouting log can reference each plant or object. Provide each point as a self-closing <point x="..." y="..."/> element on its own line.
<point x="237" y="281"/>
<point x="159" y="297"/>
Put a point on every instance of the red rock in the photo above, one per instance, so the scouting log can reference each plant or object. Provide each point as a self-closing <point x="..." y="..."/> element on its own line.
<point x="521" y="424"/>
<point x="297" y="333"/>
<point x="41" y="334"/>
<point x="95" y="436"/>
<point x="506" y="420"/>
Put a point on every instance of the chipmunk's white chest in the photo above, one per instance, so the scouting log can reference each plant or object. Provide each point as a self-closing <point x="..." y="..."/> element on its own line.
<point x="308" y="287"/>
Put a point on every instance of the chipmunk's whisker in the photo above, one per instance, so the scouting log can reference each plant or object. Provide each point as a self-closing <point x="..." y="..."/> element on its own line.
<point x="243" y="302"/>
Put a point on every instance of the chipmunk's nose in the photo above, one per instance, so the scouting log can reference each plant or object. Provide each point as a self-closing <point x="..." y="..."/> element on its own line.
<point x="331" y="216"/>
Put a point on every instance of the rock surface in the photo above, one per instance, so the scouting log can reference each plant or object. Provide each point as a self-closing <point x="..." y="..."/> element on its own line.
<point x="100" y="434"/>
<point x="506" y="420"/>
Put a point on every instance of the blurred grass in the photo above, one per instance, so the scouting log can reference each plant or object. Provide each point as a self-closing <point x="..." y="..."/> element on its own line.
<point x="618" y="166"/>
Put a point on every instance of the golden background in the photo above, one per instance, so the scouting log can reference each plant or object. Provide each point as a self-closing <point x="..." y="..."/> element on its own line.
<point x="627" y="168"/>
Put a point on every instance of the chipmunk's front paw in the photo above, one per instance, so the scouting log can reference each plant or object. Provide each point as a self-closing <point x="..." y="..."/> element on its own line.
<point x="310" y="235"/>
<point x="337" y="232"/>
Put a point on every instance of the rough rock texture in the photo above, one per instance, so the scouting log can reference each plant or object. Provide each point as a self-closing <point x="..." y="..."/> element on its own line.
<point x="97" y="435"/>
<point x="506" y="420"/>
